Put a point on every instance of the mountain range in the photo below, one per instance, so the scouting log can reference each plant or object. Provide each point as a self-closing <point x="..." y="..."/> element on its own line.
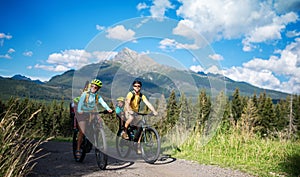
<point x="117" y="75"/>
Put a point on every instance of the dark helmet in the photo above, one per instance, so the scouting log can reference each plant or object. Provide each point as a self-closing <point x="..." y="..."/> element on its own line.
<point x="137" y="82"/>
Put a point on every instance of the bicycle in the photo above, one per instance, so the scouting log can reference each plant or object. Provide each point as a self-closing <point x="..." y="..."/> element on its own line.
<point x="149" y="141"/>
<point x="95" y="133"/>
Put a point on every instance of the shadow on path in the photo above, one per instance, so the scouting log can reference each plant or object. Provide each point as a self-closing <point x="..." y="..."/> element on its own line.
<point x="59" y="161"/>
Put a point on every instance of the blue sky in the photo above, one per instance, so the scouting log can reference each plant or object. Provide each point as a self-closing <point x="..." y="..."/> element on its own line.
<point x="253" y="41"/>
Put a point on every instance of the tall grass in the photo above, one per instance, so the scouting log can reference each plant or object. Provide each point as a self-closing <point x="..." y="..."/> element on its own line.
<point x="18" y="149"/>
<point x="245" y="152"/>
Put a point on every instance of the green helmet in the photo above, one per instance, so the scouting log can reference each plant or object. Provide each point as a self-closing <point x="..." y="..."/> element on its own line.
<point x="97" y="82"/>
<point x="76" y="100"/>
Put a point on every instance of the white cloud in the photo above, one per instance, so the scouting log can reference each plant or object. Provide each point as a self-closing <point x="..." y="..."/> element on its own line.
<point x="265" y="72"/>
<point x="5" y="36"/>
<point x="283" y="6"/>
<point x="57" y="68"/>
<point x="254" y="20"/>
<point x="212" y="69"/>
<point x="262" y="78"/>
<point x="159" y="8"/>
<point x="73" y="59"/>
<point x="142" y="6"/>
<point x="8" y="54"/>
<point x="280" y="73"/>
<point x="270" y="31"/>
<point x="100" y="28"/>
<point x="11" y="50"/>
<point x="292" y="34"/>
<point x="119" y="32"/>
<point x="216" y="57"/>
<point x="28" y="53"/>
<point x="102" y="55"/>
<point x="197" y="68"/>
<point x="171" y="44"/>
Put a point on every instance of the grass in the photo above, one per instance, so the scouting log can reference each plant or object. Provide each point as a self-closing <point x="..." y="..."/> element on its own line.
<point x="250" y="154"/>
<point x="18" y="148"/>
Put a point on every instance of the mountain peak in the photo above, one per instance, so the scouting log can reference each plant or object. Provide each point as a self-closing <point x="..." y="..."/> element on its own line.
<point x="21" y="77"/>
<point x="134" y="62"/>
<point x="126" y="55"/>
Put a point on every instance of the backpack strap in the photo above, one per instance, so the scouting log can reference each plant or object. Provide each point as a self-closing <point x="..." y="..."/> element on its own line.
<point x="97" y="99"/>
<point x="87" y="95"/>
<point x="87" y="98"/>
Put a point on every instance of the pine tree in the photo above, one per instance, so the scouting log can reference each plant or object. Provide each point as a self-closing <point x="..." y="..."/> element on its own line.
<point x="160" y="121"/>
<point x="216" y="114"/>
<point x="172" y="111"/>
<point x="236" y="106"/>
<point x="185" y="115"/>
<point x="267" y="118"/>
<point x="296" y="114"/>
<point x="281" y="114"/>
<point x="203" y="108"/>
<point x="249" y="118"/>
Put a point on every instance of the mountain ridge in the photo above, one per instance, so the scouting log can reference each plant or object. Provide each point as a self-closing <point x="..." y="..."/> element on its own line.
<point x="117" y="74"/>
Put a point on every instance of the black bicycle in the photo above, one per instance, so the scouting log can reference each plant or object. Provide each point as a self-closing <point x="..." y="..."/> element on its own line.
<point x="149" y="141"/>
<point x="94" y="133"/>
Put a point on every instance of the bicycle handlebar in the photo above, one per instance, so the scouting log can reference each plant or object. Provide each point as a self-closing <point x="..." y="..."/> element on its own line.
<point x="105" y="112"/>
<point x="143" y="114"/>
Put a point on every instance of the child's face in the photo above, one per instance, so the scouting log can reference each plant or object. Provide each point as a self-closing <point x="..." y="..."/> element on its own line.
<point x="120" y="103"/>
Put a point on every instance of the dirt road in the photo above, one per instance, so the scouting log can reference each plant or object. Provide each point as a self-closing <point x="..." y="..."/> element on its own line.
<point x="60" y="162"/>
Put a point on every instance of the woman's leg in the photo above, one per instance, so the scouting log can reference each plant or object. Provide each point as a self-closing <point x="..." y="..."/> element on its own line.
<point x="81" y="133"/>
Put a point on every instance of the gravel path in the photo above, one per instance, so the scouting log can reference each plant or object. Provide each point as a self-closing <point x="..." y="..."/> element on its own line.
<point x="60" y="162"/>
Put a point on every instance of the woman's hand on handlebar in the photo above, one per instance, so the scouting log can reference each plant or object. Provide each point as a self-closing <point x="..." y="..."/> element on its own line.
<point x="110" y="111"/>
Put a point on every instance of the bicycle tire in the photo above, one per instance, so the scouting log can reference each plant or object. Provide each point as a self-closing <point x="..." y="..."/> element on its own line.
<point x="82" y="148"/>
<point x="150" y="145"/>
<point x="101" y="159"/>
<point x="100" y="148"/>
<point x="123" y="147"/>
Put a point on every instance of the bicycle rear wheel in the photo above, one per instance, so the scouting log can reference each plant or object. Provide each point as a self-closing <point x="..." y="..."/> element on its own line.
<point x="150" y="145"/>
<point x="82" y="148"/>
<point x="101" y="159"/>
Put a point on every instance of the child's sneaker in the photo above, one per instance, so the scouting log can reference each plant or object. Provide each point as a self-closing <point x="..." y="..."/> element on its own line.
<point x="125" y="135"/>
<point x="138" y="149"/>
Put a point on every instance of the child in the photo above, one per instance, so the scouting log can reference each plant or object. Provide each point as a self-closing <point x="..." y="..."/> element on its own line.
<point x="120" y="114"/>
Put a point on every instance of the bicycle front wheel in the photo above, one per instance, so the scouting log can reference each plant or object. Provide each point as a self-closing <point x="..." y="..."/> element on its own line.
<point x="100" y="148"/>
<point x="150" y="142"/>
<point x="101" y="159"/>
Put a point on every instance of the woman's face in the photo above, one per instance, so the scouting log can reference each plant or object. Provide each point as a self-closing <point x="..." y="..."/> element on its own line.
<point x="94" y="88"/>
<point x="136" y="87"/>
